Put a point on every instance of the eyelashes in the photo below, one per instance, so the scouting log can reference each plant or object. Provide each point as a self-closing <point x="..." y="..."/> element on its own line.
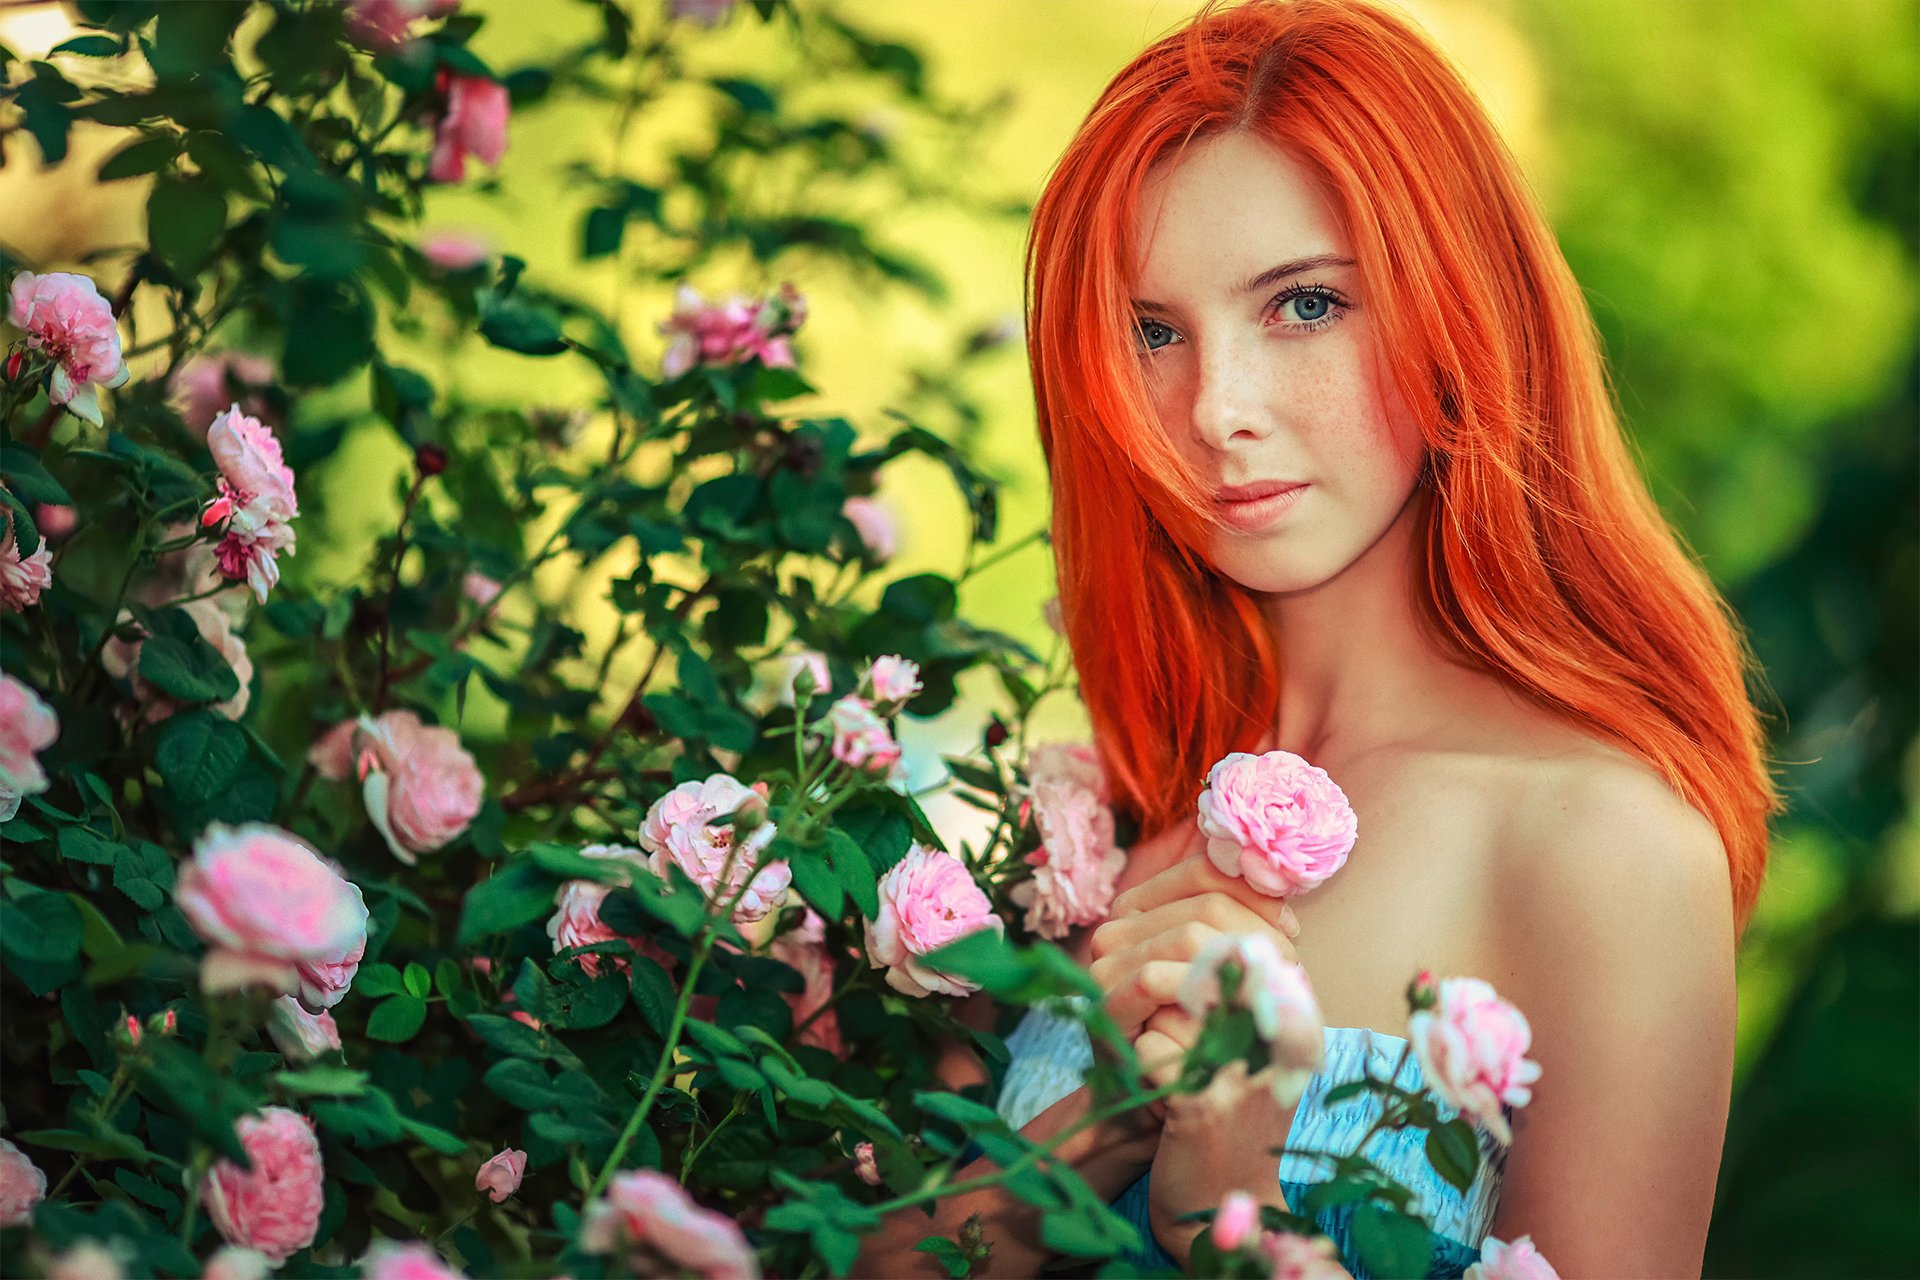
<point x="1336" y="307"/>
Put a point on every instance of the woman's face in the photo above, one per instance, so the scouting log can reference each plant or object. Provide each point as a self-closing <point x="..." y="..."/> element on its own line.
<point x="1269" y="381"/>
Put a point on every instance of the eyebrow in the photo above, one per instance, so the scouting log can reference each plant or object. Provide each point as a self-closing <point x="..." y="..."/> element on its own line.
<point x="1272" y="275"/>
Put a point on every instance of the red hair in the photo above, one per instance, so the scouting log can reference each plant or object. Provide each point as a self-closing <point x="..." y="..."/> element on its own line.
<point x="1545" y="559"/>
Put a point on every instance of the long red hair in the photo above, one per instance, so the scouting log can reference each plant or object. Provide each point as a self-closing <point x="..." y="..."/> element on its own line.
<point x="1545" y="557"/>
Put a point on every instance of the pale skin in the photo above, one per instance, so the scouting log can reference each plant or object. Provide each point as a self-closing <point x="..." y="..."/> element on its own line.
<point x="1498" y="839"/>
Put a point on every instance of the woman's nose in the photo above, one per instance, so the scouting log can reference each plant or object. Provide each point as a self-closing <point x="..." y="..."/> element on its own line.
<point x="1230" y="400"/>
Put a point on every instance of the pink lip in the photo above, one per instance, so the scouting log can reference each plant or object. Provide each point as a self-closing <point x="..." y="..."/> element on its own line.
<point x="1252" y="507"/>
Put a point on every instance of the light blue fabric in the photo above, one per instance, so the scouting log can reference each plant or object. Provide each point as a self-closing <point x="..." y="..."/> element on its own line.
<point x="1050" y="1055"/>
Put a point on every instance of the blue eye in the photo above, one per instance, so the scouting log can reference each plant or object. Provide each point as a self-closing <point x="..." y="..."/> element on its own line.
<point x="1318" y="307"/>
<point x="1144" y="329"/>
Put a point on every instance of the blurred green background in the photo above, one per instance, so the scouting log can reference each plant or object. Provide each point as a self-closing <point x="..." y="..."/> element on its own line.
<point x="1736" y="184"/>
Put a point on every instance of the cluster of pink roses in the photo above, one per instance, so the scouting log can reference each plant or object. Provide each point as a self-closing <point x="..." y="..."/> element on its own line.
<point x="421" y="788"/>
<point x="28" y="726"/>
<point x="731" y="332"/>
<point x="648" y="1219"/>
<point x="68" y="322"/>
<point x="256" y="506"/>
<point x="1077" y="864"/>
<point x="22" y="578"/>
<point x="22" y="1186"/>
<point x="720" y="859"/>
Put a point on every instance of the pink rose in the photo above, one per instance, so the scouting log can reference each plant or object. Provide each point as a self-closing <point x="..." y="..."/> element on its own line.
<point x="1070" y="762"/>
<point x="28" y="726"/>
<point x="865" y="1165"/>
<point x="479" y="588"/>
<point x="861" y="738"/>
<point x="814" y="664"/>
<point x="1237" y="1221"/>
<point x="475" y="123"/>
<point x="332" y="752"/>
<point x="1275" y="819"/>
<point x="66" y="319"/>
<point x="1297" y="1257"/>
<point x="257" y="504"/>
<point x="727" y="333"/>
<point x="1276" y="991"/>
<point x="274" y="1206"/>
<point x="649" y="1210"/>
<point x="804" y="950"/>
<point x="1516" y="1261"/>
<point x="416" y="1260"/>
<point x="576" y="923"/>
<point x="87" y="1260"/>
<point x="54" y="520"/>
<point x="874" y="522"/>
<point x="382" y="26"/>
<point x="421" y="787"/>
<point x="675" y="831"/>
<point x="121" y="660"/>
<point x="22" y="1186"/>
<point x="299" y="1035"/>
<point x="1472" y="1047"/>
<point x="455" y="250"/>
<point x="926" y="901"/>
<point x="272" y="912"/>
<point x="1076" y="867"/>
<point x="206" y="384"/>
<point x="500" y="1176"/>
<point x="892" y="679"/>
<point x="22" y="580"/>
<point x="234" y="1263"/>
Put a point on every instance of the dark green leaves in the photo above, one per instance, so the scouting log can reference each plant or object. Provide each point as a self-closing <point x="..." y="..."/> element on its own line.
<point x="199" y="753"/>
<point x="185" y="217"/>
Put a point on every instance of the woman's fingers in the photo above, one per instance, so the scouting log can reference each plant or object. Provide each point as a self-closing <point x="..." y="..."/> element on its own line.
<point x="1194" y="876"/>
<point x="1145" y="989"/>
<point x="1165" y="928"/>
<point x="1160" y="1057"/>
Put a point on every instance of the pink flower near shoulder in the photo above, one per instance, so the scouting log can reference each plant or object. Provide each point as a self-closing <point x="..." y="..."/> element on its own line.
<point x="231" y="1262"/>
<point x="500" y="1176"/>
<point x="873" y="521"/>
<point x="1076" y="867"/>
<point x="28" y="726"/>
<point x="926" y="901"/>
<point x="22" y="579"/>
<point x="272" y="912"/>
<point x="1276" y="992"/>
<point x="804" y="950"/>
<point x="66" y="319"/>
<point x="1297" y="1257"/>
<point x="861" y="738"/>
<point x="1472" y="1047"/>
<point x="865" y="1165"/>
<point x="121" y="660"/>
<point x="206" y="384"/>
<point x="22" y="1186"/>
<point x="273" y="1207"/>
<point x="299" y="1035"/>
<point x="1276" y="820"/>
<point x="1516" y="1261"/>
<point x="421" y="787"/>
<point x="1237" y="1221"/>
<point x="475" y="124"/>
<point x="647" y="1210"/>
<point x="675" y="832"/>
<point x="414" y="1260"/>
<point x="892" y="679"/>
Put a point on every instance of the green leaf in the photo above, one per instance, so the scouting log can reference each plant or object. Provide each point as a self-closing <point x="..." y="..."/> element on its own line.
<point x="1389" y="1243"/>
<point x="40" y="926"/>
<point x="329" y="331"/>
<point x="508" y="1036"/>
<point x="418" y="981"/>
<point x="439" y="1139"/>
<point x="397" y="1018"/>
<point x="653" y="994"/>
<point x="814" y="876"/>
<point x="515" y="895"/>
<point x="78" y="844"/>
<point x="185" y="217"/>
<point x="190" y="670"/>
<point x="526" y="1085"/>
<point x="136" y="159"/>
<point x="323" y="1081"/>
<point x="855" y="872"/>
<point x="144" y="873"/>
<point x="199" y="753"/>
<point x="1454" y="1151"/>
<point x="515" y="325"/>
<point x="378" y="980"/>
<point x="948" y="1254"/>
<point x="28" y="479"/>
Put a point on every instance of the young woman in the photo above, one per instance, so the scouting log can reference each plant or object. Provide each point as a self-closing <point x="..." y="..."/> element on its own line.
<point x="1336" y="469"/>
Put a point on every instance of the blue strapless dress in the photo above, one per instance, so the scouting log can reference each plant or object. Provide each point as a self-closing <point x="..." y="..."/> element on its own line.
<point x="1050" y="1054"/>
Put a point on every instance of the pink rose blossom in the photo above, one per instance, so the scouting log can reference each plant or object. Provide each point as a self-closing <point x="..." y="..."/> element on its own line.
<point x="500" y="1176"/>
<point x="87" y="1260"/>
<point x="415" y="1260"/>
<point x="332" y="752"/>
<point x="274" y="1206"/>
<point x="649" y="1210"/>
<point x="1237" y="1221"/>
<point x="1297" y="1257"/>
<point x="66" y="319"/>
<point x="1076" y="867"/>
<point x="865" y="1165"/>
<point x="234" y="1263"/>
<point x="479" y="588"/>
<point x="121" y="660"/>
<point x="1516" y="1261"/>
<point x="382" y="26"/>
<point x="299" y="1035"/>
<point x="1074" y="763"/>
<point x="892" y="679"/>
<point x="804" y="950"/>
<point x="926" y="901"/>
<point x="576" y="923"/>
<point x="420" y="786"/>
<point x="1275" y="819"/>
<point x="28" y="726"/>
<point x="809" y="661"/>
<point x="22" y="1186"/>
<point x="1276" y="991"/>
<point x="675" y="832"/>
<point x="272" y="912"/>
<point x="455" y="250"/>
<point x="256" y="505"/>
<point x="22" y="579"/>
<point x="728" y="333"/>
<point x="874" y="522"/>
<point x="475" y="124"/>
<point x="54" y="520"/>
<point x="861" y="738"/>
<point x="1472" y="1047"/>
<point x="207" y="384"/>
